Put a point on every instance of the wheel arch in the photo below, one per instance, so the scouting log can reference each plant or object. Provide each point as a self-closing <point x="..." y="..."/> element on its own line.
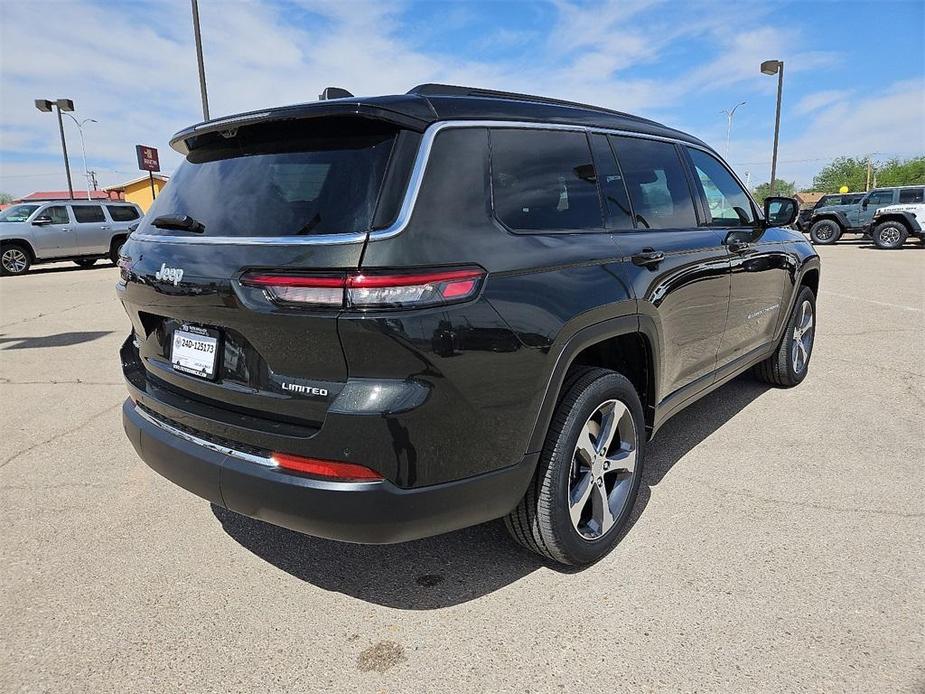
<point x="621" y="344"/>
<point x="899" y="217"/>
<point x="836" y="217"/>
<point x="20" y="242"/>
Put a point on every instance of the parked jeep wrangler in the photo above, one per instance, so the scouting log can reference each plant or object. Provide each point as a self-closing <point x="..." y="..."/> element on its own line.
<point x="892" y="225"/>
<point x="379" y="319"/>
<point x="830" y="200"/>
<point x="83" y="231"/>
<point x="827" y="224"/>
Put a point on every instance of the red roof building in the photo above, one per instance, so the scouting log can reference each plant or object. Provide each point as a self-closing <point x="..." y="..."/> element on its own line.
<point x="42" y="195"/>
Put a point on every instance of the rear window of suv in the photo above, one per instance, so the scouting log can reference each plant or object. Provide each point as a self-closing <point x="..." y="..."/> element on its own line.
<point x="301" y="179"/>
<point x="122" y="213"/>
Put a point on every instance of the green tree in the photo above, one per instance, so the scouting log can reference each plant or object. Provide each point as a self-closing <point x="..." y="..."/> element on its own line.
<point x="898" y="172"/>
<point x="852" y="172"/>
<point x="5" y="198"/>
<point x="843" y="171"/>
<point x="785" y="188"/>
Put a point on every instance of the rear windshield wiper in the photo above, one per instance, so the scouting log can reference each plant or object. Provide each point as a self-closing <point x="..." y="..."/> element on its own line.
<point x="178" y="221"/>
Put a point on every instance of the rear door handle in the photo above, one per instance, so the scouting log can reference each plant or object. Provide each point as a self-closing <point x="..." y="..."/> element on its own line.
<point x="107" y="228"/>
<point x="648" y="258"/>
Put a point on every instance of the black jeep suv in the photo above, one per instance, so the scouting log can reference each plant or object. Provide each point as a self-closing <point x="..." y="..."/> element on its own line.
<point x="377" y="319"/>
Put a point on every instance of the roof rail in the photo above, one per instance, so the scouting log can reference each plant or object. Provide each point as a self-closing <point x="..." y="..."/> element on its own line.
<point x="454" y="90"/>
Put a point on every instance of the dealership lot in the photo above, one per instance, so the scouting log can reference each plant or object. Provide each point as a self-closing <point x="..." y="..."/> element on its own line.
<point x="778" y="543"/>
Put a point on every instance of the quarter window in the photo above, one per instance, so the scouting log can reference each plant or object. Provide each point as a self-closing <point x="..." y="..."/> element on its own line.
<point x="122" y="213"/>
<point x="656" y="183"/>
<point x="88" y="213"/>
<point x="544" y="180"/>
<point x="58" y="214"/>
<point x="912" y="195"/>
<point x="728" y="204"/>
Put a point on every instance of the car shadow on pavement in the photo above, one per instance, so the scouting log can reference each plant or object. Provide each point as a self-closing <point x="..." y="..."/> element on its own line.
<point x="58" y="340"/>
<point x="61" y="267"/>
<point x="454" y="568"/>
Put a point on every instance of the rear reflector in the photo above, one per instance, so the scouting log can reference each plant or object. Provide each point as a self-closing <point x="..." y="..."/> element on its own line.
<point x="327" y="469"/>
<point x="407" y="290"/>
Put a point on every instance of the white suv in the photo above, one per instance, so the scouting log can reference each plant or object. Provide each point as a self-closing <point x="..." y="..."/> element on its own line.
<point x="82" y="231"/>
<point x="892" y="225"/>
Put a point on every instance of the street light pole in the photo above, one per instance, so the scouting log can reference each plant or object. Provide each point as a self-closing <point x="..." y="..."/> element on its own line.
<point x="202" y="67"/>
<point x="729" y="116"/>
<point x="771" y="67"/>
<point x="46" y="105"/>
<point x="83" y="149"/>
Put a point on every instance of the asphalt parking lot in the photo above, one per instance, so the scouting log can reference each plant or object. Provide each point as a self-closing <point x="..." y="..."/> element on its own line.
<point x="778" y="544"/>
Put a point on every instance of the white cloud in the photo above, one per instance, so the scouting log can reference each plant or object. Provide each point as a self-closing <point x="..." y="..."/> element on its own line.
<point x="817" y="100"/>
<point x="134" y="71"/>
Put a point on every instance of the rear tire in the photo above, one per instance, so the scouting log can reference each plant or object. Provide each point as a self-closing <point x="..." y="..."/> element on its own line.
<point x="85" y="262"/>
<point x="825" y="232"/>
<point x="115" y="249"/>
<point x="15" y="259"/>
<point x="890" y="235"/>
<point x="789" y="364"/>
<point x="588" y="475"/>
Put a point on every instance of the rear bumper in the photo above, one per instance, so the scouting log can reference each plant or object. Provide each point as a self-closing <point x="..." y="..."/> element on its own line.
<point x="365" y="512"/>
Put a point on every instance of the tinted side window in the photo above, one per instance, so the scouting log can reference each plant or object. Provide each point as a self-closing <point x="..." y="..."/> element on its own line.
<point x="656" y="183"/>
<point x="544" y="180"/>
<point x="880" y="197"/>
<point x="728" y="204"/>
<point x="58" y="214"/>
<point x="912" y="195"/>
<point x="616" y="201"/>
<point x="122" y="213"/>
<point x="88" y="213"/>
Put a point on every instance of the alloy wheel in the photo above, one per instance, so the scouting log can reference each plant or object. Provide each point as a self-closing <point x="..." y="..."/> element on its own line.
<point x="603" y="466"/>
<point x="825" y="231"/>
<point x="802" y="338"/>
<point x="14" y="260"/>
<point x="889" y="236"/>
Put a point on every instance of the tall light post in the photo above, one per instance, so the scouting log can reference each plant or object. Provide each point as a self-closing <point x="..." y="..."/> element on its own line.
<point x="202" y="68"/>
<point x="775" y="67"/>
<point x="46" y="105"/>
<point x="83" y="148"/>
<point x="729" y="117"/>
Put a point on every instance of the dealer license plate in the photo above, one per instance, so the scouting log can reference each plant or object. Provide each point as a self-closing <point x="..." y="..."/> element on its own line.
<point x="195" y="351"/>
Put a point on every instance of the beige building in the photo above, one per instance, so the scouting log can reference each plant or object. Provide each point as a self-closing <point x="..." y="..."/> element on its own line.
<point x="138" y="190"/>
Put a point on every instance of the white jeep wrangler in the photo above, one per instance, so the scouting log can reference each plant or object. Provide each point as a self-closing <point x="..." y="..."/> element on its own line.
<point x="892" y="225"/>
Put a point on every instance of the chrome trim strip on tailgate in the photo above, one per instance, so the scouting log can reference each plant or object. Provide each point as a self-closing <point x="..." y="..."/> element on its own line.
<point x="224" y="450"/>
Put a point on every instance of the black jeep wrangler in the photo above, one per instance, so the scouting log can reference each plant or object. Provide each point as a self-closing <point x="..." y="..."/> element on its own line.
<point x="379" y="319"/>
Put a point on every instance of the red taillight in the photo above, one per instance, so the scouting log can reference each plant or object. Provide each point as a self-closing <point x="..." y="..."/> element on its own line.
<point x="410" y="290"/>
<point x="328" y="469"/>
<point x="300" y="289"/>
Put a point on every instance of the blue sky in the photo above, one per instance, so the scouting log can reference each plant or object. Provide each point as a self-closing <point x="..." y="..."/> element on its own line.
<point x="854" y="82"/>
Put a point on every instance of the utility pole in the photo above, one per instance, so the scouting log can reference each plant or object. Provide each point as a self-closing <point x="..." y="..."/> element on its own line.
<point x="92" y="175"/>
<point x="202" y="67"/>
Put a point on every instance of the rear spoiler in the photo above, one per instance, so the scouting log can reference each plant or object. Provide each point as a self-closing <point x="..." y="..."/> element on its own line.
<point x="410" y="112"/>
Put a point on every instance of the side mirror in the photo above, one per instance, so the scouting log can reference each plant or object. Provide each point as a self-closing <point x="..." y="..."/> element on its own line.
<point x="864" y="205"/>
<point x="42" y="220"/>
<point x="780" y="212"/>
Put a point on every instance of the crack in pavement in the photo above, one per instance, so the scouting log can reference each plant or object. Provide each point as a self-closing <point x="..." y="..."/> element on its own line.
<point x="803" y="504"/>
<point x="60" y="435"/>
<point x="54" y="313"/>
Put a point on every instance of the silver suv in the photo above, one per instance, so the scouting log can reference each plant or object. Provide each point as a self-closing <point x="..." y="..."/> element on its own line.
<point x="82" y="231"/>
